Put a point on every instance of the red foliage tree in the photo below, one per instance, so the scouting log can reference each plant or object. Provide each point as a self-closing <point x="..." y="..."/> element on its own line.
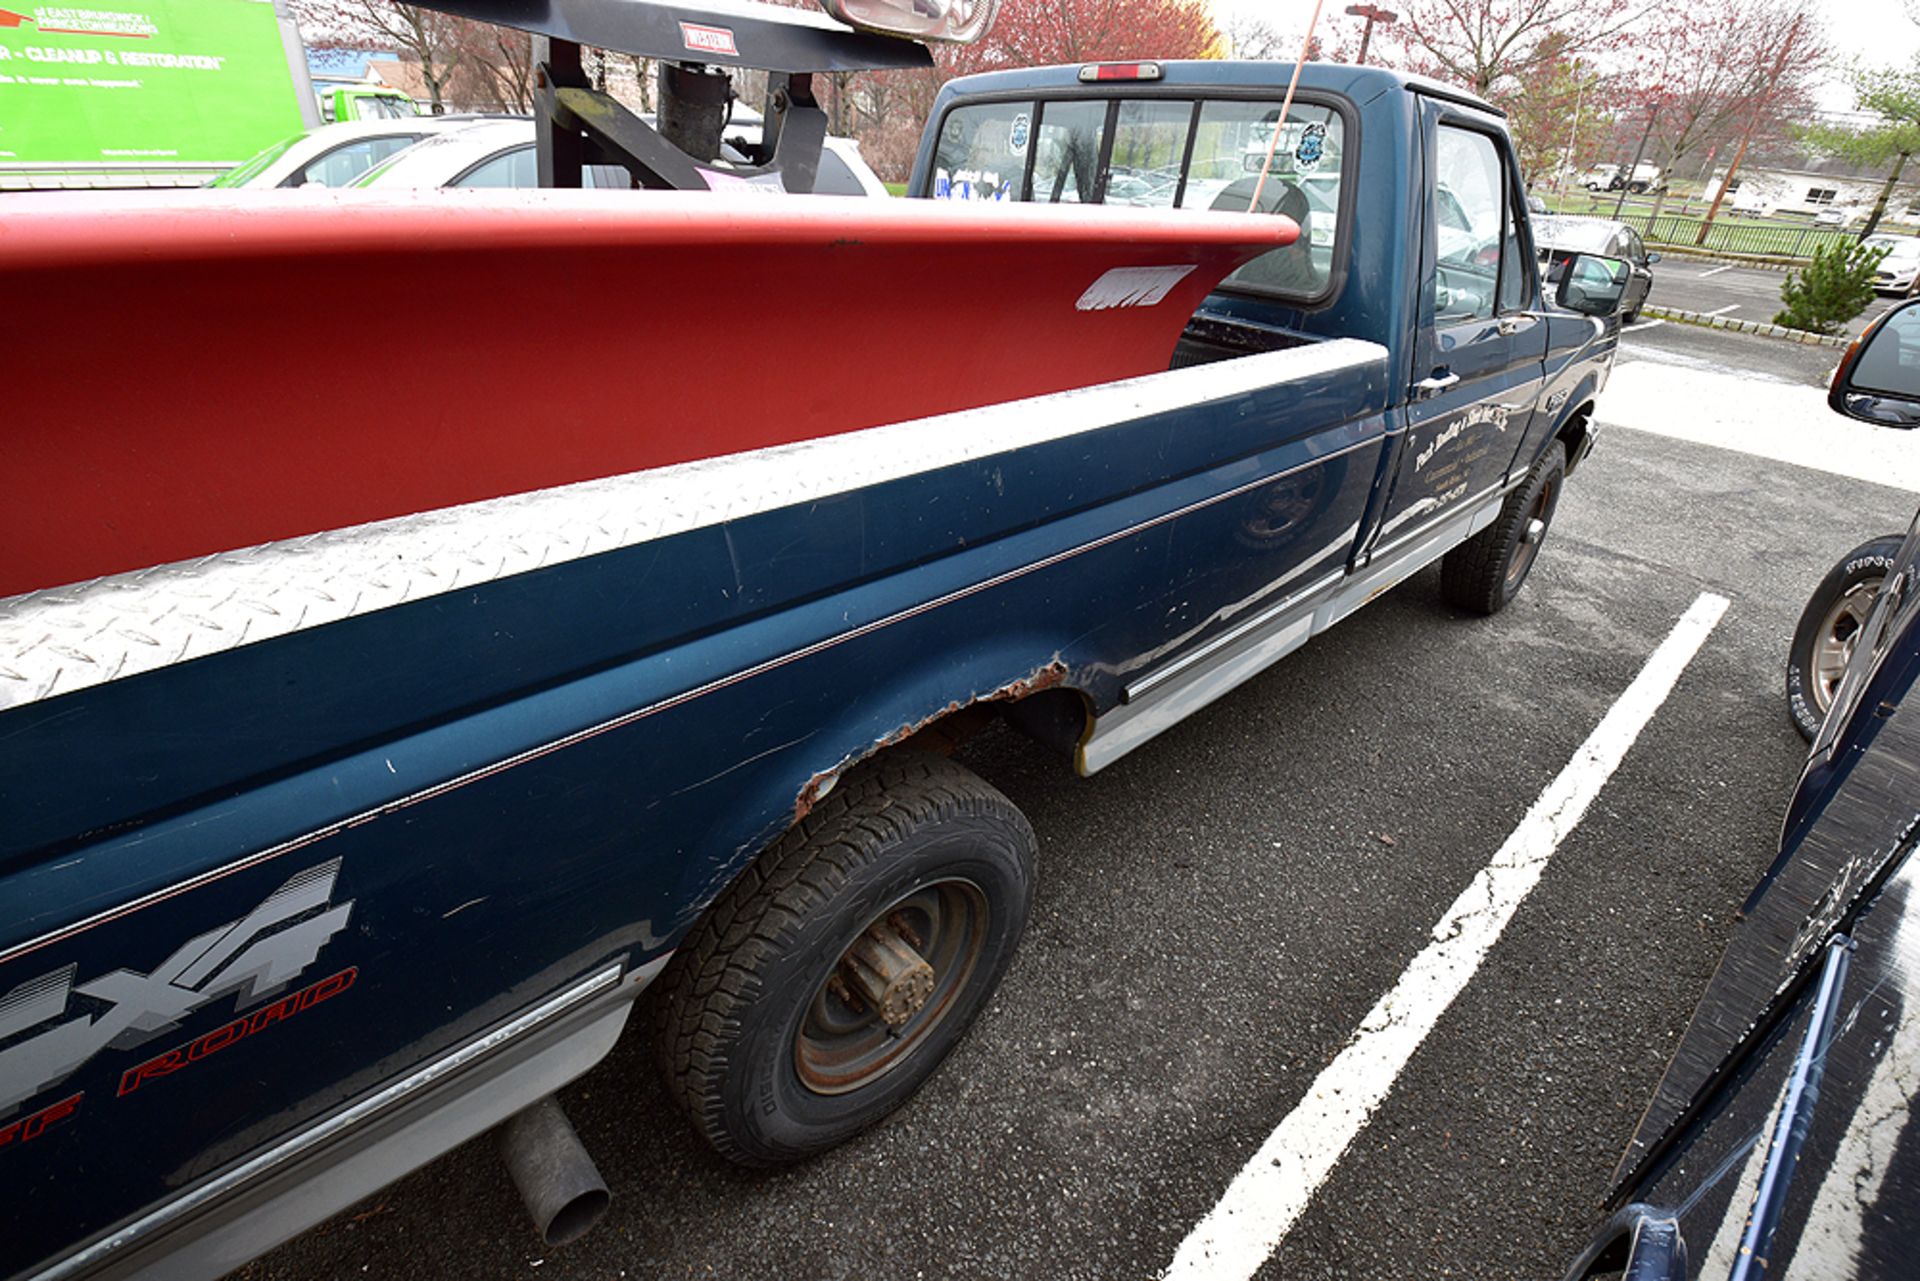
<point x="1036" y="33"/>
<point x="1027" y="33"/>
<point x="1719" y="68"/>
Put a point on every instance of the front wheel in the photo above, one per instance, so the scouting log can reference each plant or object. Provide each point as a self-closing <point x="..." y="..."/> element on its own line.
<point x="1485" y="572"/>
<point x="831" y="979"/>
<point x="1829" y="629"/>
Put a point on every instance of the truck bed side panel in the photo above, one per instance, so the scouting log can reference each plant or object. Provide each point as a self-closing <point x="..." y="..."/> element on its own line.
<point x="450" y="807"/>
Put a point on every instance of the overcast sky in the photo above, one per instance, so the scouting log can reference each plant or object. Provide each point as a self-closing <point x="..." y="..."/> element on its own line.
<point x="1876" y="32"/>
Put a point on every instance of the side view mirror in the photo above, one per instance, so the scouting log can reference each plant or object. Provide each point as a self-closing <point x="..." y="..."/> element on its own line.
<point x="1590" y="284"/>
<point x="1878" y="380"/>
<point x="1653" y="257"/>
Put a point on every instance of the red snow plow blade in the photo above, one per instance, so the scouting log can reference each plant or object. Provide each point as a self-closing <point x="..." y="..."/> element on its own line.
<point x="194" y="373"/>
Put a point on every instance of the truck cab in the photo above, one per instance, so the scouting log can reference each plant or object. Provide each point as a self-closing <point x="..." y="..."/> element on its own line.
<point x="1416" y="239"/>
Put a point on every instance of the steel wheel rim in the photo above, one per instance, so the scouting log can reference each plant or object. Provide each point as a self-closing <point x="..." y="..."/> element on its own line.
<point x="1525" y="550"/>
<point x="1838" y="636"/>
<point x="843" y="1044"/>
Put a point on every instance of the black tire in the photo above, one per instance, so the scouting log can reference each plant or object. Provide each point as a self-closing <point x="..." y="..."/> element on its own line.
<point x="772" y="1060"/>
<point x="1630" y="317"/>
<point x="1828" y="628"/>
<point x="1485" y="572"/>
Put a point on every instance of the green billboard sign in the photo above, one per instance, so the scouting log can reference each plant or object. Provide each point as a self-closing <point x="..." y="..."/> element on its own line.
<point x="142" y="82"/>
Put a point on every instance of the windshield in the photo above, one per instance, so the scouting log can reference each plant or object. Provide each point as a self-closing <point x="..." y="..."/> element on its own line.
<point x="384" y="108"/>
<point x="239" y="175"/>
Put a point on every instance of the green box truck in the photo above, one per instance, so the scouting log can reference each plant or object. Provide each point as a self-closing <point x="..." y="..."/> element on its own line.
<point x="145" y="93"/>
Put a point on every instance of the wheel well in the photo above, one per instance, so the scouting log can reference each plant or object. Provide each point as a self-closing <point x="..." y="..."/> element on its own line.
<point x="1575" y="434"/>
<point x="1040" y="707"/>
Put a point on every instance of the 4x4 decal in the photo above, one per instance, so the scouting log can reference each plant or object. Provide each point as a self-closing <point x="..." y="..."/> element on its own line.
<point x="268" y="947"/>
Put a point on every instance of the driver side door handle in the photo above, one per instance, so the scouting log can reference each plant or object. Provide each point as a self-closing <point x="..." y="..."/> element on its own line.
<point x="1434" y="384"/>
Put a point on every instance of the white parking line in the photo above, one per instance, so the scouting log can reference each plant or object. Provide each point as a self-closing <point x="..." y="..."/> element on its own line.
<point x="1272" y="1190"/>
<point x="1717" y="270"/>
<point x="1721" y="311"/>
<point x="1645" y="324"/>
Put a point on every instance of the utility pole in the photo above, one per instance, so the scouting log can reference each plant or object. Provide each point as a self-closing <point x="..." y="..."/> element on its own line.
<point x="1372" y="13"/>
<point x="1633" y="170"/>
<point x="1746" y="134"/>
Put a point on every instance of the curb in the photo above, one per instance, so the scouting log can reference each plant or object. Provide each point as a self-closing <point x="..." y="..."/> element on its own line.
<point x="1802" y="336"/>
<point x="1734" y="260"/>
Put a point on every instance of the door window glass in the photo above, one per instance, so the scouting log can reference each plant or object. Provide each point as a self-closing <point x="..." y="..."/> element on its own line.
<point x="982" y="152"/>
<point x="516" y="168"/>
<point x="1467" y="223"/>
<point x="1149" y="141"/>
<point x="343" y="164"/>
<point x="1066" y="164"/>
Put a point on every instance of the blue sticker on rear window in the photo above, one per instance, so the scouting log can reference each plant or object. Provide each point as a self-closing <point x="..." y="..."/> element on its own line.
<point x="1313" y="145"/>
<point x="1017" y="136"/>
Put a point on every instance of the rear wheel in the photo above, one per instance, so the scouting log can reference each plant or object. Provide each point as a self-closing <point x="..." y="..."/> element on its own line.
<point x="833" y="977"/>
<point x="1486" y="571"/>
<point x="1829" y="630"/>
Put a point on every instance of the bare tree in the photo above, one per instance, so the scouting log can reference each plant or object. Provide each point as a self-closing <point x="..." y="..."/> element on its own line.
<point x="1486" y="45"/>
<point x="433" y="39"/>
<point x="1253" y="37"/>
<point x="502" y="57"/>
<point x="1716" y="67"/>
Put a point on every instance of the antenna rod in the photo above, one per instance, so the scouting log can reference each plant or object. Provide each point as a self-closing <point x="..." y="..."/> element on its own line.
<point x="1286" y="105"/>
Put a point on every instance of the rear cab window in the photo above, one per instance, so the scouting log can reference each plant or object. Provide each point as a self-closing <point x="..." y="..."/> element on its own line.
<point x="1174" y="149"/>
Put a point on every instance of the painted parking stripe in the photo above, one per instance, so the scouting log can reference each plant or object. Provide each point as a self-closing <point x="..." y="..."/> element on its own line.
<point x="1645" y="324"/>
<point x="1721" y="311"/>
<point x="1272" y="1190"/>
<point x="1717" y="270"/>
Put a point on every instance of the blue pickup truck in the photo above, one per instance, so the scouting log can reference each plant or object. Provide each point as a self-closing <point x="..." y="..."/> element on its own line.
<point x="321" y="856"/>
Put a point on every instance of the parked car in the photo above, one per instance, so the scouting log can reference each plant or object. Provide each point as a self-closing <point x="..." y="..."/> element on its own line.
<point x="1784" y="1138"/>
<point x="1644" y="178"/>
<point x="1899" y="271"/>
<point x="1558" y="236"/>
<point x="500" y="154"/>
<point x="335" y="155"/>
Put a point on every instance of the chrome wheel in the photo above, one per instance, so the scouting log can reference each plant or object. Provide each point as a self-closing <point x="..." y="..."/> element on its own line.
<point x="1838" y="635"/>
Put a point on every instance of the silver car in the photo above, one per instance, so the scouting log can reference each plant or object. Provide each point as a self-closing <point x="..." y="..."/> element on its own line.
<point x="1556" y="235"/>
<point x="500" y="154"/>
<point x="1898" y="272"/>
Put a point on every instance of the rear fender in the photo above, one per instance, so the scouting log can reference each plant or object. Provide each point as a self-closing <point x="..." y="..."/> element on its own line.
<point x="906" y="706"/>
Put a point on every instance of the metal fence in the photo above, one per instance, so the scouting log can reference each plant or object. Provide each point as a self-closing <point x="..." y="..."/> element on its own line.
<point x="1779" y="239"/>
<point x="1731" y="232"/>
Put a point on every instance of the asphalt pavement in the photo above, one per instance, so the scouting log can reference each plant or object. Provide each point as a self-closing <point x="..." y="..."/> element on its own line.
<point x="1218" y="912"/>
<point x="1736" y="292"/>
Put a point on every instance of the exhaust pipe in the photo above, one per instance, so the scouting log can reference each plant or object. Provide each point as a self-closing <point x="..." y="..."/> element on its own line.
<point x="564" y="1193"/>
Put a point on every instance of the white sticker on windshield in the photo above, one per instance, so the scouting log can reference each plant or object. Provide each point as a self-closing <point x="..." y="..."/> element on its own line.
<point x="1131" y="287"/>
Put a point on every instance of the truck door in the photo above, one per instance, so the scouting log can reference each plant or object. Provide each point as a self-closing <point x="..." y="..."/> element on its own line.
<point x="1480" y="351"/>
